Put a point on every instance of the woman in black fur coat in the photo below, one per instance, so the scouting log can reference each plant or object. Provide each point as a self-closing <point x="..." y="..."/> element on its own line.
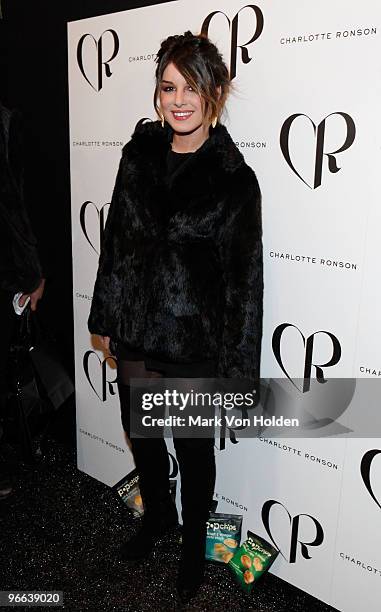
<point x="179" y="286"/>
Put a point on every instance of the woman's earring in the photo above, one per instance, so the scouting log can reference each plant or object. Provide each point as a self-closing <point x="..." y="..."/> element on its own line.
<point x="214" y="122"/>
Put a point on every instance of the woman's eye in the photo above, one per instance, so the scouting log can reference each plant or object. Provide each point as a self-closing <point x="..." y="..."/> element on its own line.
<point x="170" y="88"/>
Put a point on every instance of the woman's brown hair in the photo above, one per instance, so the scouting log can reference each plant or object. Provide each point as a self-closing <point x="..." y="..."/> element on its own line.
<point x="201" y="65"/>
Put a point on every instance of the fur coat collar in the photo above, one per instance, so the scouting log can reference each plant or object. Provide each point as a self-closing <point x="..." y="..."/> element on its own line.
<point x="211" y="168"/>
<point x="152" y="141"/>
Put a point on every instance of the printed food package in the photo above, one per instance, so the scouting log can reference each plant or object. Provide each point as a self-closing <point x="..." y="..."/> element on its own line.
<point x="251" y="560"/>
<point x="223" y="535"/>
<point x="129" y="492"/>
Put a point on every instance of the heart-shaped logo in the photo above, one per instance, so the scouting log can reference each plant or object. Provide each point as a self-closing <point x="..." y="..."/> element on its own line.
<point x="318" y="401"/>
<point x="101" y="63"/>
<point x="308" y="346"/>
<point x="294" y="523"/>
<point x="365" y="469"/>
<point x="318" y="152"/>
<point x="255" y="33"/>
<point x="93" y="221"/>
<point x="104" y="383"/>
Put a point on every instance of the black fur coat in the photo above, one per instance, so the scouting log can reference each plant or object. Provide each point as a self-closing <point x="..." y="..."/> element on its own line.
<point x="180" y="272"/>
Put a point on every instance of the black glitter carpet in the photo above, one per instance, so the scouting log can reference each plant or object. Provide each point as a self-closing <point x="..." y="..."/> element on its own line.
<point x="61" y="530"/>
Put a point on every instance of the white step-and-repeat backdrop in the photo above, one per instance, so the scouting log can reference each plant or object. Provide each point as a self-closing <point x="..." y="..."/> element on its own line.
<point x="306" y="115"/>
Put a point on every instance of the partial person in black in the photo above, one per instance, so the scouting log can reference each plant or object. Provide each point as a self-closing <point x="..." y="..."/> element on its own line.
<point x="20" y="269"/>
<point x="179" y="287"/>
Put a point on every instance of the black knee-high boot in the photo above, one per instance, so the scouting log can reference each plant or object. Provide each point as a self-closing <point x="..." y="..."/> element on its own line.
<point x="198" y="473"/>
<point x="152" y="463"/>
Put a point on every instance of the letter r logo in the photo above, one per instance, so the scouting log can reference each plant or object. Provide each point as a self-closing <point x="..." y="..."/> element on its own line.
<point x="233" y="26"/>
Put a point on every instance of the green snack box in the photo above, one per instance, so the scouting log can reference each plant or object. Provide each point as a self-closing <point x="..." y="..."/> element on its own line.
<point x="252" y="559"/>
<point x="223" y="536"/>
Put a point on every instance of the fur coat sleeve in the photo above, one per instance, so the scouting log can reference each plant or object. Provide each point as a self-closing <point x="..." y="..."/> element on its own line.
<point x="240" y="252"/>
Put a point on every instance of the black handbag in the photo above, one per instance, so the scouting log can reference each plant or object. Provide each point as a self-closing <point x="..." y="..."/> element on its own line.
<point x="39" y="385"/>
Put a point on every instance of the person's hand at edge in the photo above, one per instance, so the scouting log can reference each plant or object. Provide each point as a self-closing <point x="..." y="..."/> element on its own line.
<point x="34" y="296"/>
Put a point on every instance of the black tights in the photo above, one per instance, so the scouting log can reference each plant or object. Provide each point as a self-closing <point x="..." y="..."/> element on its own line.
<point x="195" y="457"/>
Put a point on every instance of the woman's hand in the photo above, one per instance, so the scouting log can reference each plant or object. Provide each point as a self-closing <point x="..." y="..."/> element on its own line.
<point x="105" y="342"/>
<point x="34" y="296"/>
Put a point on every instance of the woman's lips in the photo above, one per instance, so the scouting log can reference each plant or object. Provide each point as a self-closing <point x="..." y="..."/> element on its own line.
<point x="182" y="115"/>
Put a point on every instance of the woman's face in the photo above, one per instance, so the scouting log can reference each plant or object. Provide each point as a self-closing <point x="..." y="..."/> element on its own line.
<point x="181" y="106"/>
